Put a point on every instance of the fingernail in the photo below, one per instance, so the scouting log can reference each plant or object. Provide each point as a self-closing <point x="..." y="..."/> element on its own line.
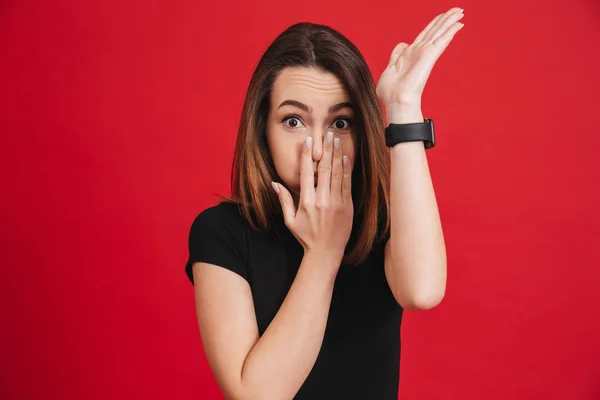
<point x="309" y="142"/>
<point x="329" y="137"/>
<point x="275" y="187"/>
<point x="345" y="160"/>
<point x="336" y="143"/>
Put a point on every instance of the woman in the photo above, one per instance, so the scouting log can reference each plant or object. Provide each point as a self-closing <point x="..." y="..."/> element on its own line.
<point x="300" y="277"/>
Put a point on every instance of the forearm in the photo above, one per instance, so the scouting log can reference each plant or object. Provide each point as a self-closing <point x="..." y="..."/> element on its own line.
<point x="281" y="360"/>
<point x="416" y="240"/>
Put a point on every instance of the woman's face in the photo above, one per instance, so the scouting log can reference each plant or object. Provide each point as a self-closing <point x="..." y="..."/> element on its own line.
<point x="307" y="102"/>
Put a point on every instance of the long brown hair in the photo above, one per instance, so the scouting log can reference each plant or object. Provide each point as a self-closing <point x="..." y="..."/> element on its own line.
<point x="318" y="46"/>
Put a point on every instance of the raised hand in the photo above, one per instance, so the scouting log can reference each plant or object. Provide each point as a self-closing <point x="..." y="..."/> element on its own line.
<point x="403" y="81"/>
<point x="323" y="220"/>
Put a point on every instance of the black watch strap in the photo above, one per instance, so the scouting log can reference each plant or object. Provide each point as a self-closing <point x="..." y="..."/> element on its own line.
<point x="419" y="131"/>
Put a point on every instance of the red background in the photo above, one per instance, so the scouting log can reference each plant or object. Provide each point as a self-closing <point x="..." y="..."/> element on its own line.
<point x="118" y="122"/>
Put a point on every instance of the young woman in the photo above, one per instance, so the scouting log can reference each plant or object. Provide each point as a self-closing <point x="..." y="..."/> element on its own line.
<point x="301" y="278"/>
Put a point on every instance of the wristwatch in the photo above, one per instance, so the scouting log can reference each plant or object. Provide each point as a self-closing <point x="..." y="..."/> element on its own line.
<point x="418" y="131"/>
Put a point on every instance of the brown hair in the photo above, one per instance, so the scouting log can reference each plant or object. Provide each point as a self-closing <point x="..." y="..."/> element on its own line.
<point x="318" y="46"/>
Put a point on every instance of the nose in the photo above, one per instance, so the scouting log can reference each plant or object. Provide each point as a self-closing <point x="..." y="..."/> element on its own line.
<point x="317" y="150"/>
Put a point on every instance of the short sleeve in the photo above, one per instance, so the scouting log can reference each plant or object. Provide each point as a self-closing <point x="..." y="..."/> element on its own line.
<point x="217" y="237"/>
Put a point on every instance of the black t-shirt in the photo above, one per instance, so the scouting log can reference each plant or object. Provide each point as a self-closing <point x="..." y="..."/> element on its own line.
<point x="360" y="354"/>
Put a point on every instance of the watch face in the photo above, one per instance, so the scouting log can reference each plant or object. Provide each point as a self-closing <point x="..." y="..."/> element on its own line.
<point x="430" y="144"/>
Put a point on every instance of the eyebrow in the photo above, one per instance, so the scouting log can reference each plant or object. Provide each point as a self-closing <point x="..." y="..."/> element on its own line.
<point x="308" y="109"/>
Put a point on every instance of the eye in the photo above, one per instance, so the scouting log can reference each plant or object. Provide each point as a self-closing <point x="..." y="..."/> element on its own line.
<point x="291" y="121"/>
<point x="342" y="123"/>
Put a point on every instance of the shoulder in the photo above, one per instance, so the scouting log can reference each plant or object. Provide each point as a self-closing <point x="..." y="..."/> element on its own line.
<point x="224" y="210"/>
<point x="218" y="235"/>
<point x="222" y="223"/>
<point x="223" y="216"/>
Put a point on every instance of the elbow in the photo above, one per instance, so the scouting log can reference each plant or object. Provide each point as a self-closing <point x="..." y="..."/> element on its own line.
<point x="423" y="301"/>
<point x="248" y="391"/>
<point x="425" y="295"/>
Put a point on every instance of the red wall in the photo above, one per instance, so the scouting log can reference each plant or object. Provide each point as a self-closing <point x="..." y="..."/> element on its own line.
<point x="118" y="122"/>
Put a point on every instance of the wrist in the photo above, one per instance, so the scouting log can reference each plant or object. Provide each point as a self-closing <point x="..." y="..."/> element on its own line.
<point x="404" y="147"/>
<point x="404" y="113"/>
<point x="326" y="260"/>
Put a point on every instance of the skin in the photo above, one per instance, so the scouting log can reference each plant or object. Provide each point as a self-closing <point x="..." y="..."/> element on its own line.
<point x="274" y="366"/>
<point x="319" y="91"/>
<point x="307" y="140"/>
<point x="415" y="254"/>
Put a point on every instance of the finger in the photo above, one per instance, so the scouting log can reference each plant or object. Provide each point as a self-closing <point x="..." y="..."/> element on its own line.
<point x="307" y="174"/>
<point x="337" y="171"/>
<point x="444" y="40"/>
<point x="430" y="26"/>
<point x="451" y="20"/>
<point x="346" y="181"/>
<point x="324" y="181"/>
<point x="396" y="52"/>
<point x="441" y="23"/>
<point x="425" y="31"/>
<point x="434" y="31"/>
<point x="286" y="201"/>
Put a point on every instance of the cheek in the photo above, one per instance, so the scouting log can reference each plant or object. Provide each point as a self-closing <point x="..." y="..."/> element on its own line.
<point x="285" y="151"/>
